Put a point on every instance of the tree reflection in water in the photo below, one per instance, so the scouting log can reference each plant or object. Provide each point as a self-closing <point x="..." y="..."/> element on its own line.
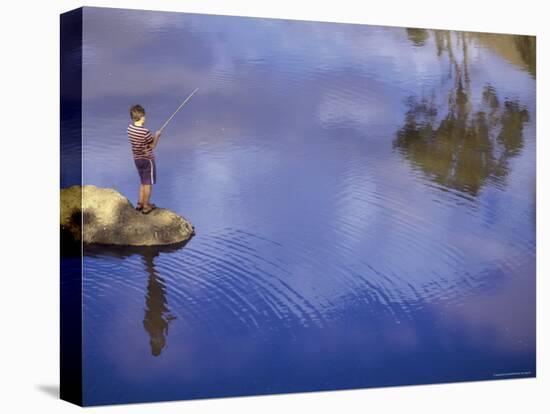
<point x="417" y="36"/>
<point x="461" y="148"/>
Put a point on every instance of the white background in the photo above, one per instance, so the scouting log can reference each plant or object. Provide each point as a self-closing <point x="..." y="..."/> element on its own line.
<point x="29" y="171"/>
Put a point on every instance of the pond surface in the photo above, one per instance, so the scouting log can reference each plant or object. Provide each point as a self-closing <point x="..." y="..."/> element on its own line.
<point x="363" y="197"/>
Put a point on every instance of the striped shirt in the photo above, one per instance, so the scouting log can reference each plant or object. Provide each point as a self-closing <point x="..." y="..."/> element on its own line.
<point x="141" y="140"/>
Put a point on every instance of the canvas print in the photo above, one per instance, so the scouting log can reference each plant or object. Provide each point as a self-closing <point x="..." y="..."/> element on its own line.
<point x="257" y="206"/>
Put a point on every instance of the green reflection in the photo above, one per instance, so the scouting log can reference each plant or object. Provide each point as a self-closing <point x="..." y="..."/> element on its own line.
<point x="417" y="36"/>
<point x="452" y="144"/>
<point x="527" y="47"/>
<point x="516" y="49"/>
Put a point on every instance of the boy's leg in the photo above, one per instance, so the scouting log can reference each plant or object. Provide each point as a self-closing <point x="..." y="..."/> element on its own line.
<point x="141" y="194"/>
<point x="146" y="194"/>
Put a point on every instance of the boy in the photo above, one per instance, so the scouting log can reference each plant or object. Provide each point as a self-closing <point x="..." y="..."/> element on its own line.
<point x="143" y="143"/>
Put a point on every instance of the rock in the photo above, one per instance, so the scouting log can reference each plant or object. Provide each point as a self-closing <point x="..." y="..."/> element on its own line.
<point x="109" y="218"/>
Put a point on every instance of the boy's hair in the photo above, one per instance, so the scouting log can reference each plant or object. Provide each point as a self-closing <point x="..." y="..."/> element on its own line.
<point x="136" y="112"/>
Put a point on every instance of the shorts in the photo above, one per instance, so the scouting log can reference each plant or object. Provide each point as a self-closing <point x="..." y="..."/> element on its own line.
<point x="147" y="170"/>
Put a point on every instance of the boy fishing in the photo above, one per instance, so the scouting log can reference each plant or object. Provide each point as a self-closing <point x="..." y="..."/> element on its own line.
<point x="143" y="143"/>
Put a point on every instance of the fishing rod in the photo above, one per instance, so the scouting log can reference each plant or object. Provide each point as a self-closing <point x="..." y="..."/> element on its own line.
<point x="176" y="111"/>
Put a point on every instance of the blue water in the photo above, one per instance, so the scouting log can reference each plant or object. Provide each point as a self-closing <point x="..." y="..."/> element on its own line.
<point x="363" y="198"/>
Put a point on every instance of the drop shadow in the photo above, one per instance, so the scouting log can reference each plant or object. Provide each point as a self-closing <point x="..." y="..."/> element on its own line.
<point x="49" y="389"/>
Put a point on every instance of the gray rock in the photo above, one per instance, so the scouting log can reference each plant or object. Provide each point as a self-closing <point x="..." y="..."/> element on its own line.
<point x="108" y="217"/>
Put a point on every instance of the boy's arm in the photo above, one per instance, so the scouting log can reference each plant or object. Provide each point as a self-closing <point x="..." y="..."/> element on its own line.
<point x="156" y="137"/>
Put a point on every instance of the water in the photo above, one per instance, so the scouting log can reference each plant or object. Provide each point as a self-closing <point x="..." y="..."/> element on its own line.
<point x="363" y="197"/>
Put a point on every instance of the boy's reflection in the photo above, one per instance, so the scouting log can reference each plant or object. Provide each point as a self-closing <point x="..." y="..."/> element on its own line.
<point x="157" y="313"/>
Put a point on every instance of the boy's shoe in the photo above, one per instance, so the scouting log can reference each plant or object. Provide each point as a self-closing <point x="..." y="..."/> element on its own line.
<point x="139" y="206"/>
<point x="147" y="211"/>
